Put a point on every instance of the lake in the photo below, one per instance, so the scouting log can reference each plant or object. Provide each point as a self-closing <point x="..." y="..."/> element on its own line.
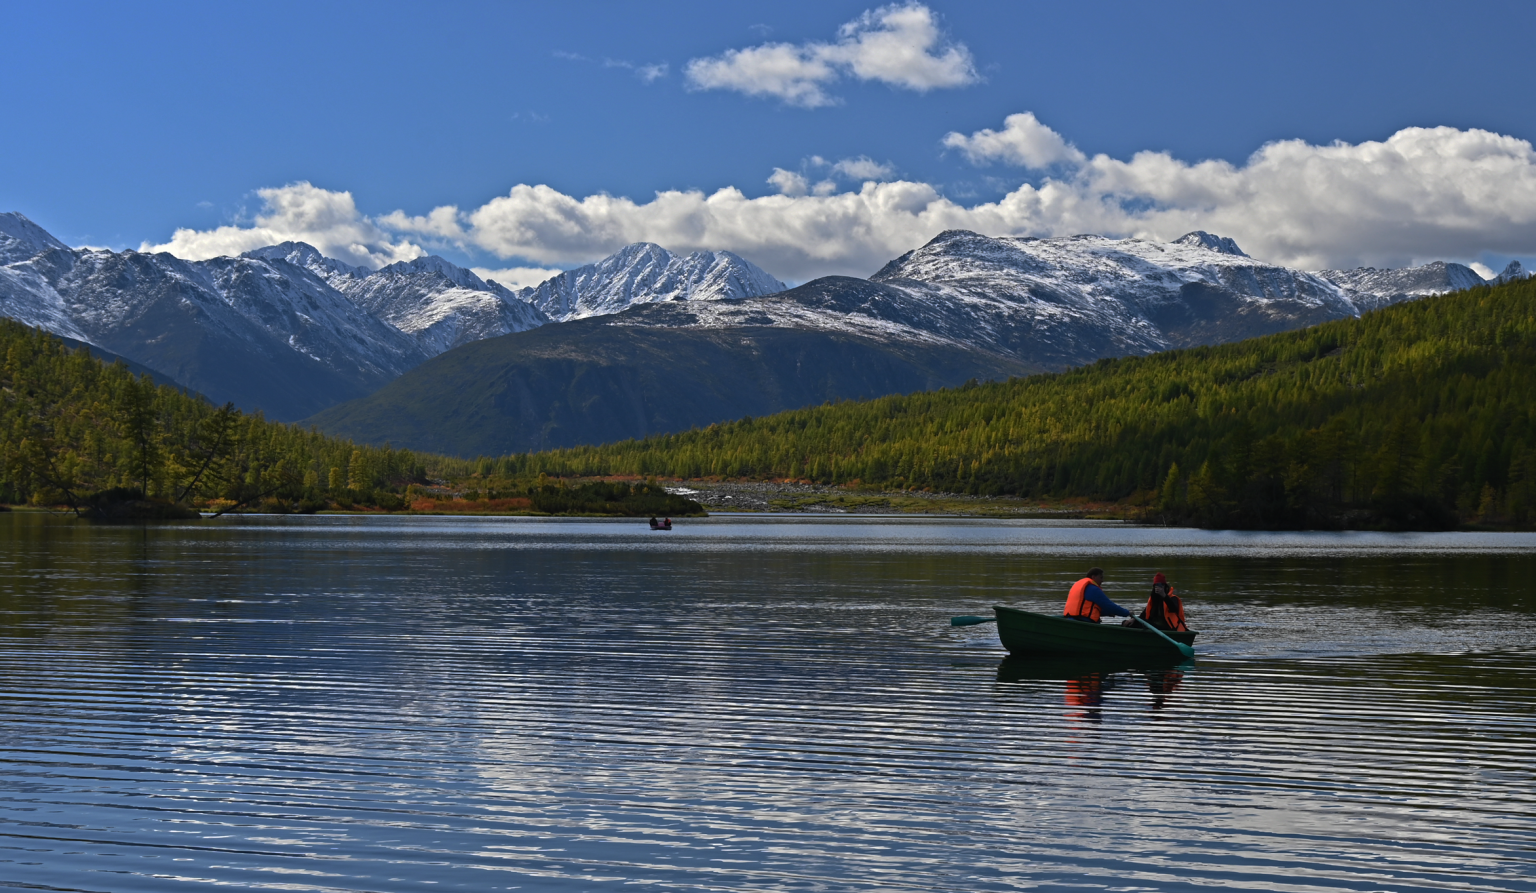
<point x="753" y="703"/>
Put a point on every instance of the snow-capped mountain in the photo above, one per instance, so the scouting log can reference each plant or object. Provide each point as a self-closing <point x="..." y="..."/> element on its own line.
<point x="1370" y="288"/>
<point x="1512" y="272"/>
<point x="261" y="333"/>
<point x="438" y="304"/>
<point x="1218" y="244"/>
<point x="1062" y="302"/>
<point x="283" y="329"/>
<point x="643" y="273"/>
<point x="21" y="239"/>
<point x="1066" y="301"/>
<point x="302" y="254"/>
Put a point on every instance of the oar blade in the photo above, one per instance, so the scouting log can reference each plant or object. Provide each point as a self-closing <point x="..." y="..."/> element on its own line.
<point x="967" y="620"/>
<point x="1184" y="650"/>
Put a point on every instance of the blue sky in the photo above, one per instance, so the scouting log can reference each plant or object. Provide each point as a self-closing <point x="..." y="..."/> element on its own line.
<point x="125" y="123"/>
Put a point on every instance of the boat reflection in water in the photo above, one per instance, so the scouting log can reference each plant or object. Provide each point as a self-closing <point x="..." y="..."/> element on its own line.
<point x="1089" y="679"/>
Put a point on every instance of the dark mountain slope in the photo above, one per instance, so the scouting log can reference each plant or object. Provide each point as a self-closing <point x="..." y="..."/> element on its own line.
<point x="166" y="315"/>
<point x="595" y="381"/>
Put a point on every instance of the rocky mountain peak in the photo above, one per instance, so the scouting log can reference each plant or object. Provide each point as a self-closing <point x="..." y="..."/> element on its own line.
<point x="646" y="273"/>
<point x="1370" y="288"/>
<point x="1511" y="273"/>
<point x="432" y="265"/>
<point x="1202" y="239"/>
<point x="303" y="254"/>
<point x="21" y="239"/>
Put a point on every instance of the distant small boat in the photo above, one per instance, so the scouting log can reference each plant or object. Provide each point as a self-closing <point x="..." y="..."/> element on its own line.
<point x="661" y="525"/>
<point x="1027" y="634"/>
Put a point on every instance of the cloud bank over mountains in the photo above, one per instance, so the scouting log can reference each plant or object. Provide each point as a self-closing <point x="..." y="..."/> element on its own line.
<point x="1421" y="194"/>
<point x="298" y="212"/>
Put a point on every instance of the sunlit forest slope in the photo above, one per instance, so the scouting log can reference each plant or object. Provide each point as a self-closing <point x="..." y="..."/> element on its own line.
<point x="98" y="439"/>
<point x="1416" y="416"/>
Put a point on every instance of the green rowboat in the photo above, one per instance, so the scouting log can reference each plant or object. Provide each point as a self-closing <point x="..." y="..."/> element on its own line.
<point x="1027" y="634"/>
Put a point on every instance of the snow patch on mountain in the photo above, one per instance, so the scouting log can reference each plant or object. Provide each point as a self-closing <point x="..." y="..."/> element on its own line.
<point x="442" y="305"/>
<point x="1371" y="288"/>
<point x="439" y="304"/>
<point x="27" y="296"/>
<point x="644" y="273"/>
<point x="302" y="254"/>
<point x="793" y="309"/>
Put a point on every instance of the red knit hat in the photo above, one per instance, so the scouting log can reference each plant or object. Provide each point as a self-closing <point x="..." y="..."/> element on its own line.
<point x="1159" y="578"/>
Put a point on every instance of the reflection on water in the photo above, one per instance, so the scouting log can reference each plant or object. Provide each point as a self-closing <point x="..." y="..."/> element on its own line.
<point x="1087" y="680"/>
<point x="752" y="704"/>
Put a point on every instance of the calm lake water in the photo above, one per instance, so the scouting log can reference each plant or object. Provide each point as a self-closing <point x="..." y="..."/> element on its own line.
<point x="752" y="703"/>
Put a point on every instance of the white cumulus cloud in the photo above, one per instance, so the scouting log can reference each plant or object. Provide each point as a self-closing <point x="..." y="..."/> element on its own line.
<point x="516" y="277"/>
<point x="863" y="168"/>
<point x="900" y="45"/>
<point x="789" y="182"/>
<point x="298" y="212"/>
<point x="1023" y="140"/>
<point x="798" y="236"/>
<point x="441" y="223"/>
<point x="796" y="183"/>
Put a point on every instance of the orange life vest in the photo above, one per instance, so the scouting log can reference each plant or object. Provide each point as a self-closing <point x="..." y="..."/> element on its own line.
<point x="1077" y="603"/>
<point x="1165" y="611"/>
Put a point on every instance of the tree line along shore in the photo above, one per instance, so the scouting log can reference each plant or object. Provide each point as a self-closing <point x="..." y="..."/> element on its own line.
<point x="1416" y="416"/>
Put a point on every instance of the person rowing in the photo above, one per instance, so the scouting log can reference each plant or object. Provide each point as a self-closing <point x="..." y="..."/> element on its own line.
<point x="1087" y="601"/>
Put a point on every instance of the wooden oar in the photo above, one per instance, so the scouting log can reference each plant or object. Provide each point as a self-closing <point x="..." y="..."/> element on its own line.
<point x="970" y="621"/>
<point x="1183" y="649"/>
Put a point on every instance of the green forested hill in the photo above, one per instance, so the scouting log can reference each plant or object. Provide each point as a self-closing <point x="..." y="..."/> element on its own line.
<point x="79" y="432"/>
<point x="1418" y="415"/>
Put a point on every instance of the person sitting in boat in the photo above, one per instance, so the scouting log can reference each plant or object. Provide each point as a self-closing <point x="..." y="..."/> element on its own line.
<point x="655" y="523"/>
<point x="1164" y="609"/>
<point x="1087" y="601"/>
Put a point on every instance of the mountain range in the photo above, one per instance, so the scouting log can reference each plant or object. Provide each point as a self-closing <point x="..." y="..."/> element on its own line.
<point x="425" y="353"/>
<point x="962" y="306"/>
<point x="288" y="331"/>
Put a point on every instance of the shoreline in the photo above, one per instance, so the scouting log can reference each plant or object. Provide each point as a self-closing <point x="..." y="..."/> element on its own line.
<point x="800" y="498"/>
<point x="824" y="499"/>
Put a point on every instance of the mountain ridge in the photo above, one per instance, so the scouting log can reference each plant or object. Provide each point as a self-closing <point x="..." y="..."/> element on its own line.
<point x="643" y="273"/>
<point x="287" y="329"/>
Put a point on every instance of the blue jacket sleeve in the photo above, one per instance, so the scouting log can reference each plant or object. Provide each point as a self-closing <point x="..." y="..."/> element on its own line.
<point x="1106" y="607"/>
